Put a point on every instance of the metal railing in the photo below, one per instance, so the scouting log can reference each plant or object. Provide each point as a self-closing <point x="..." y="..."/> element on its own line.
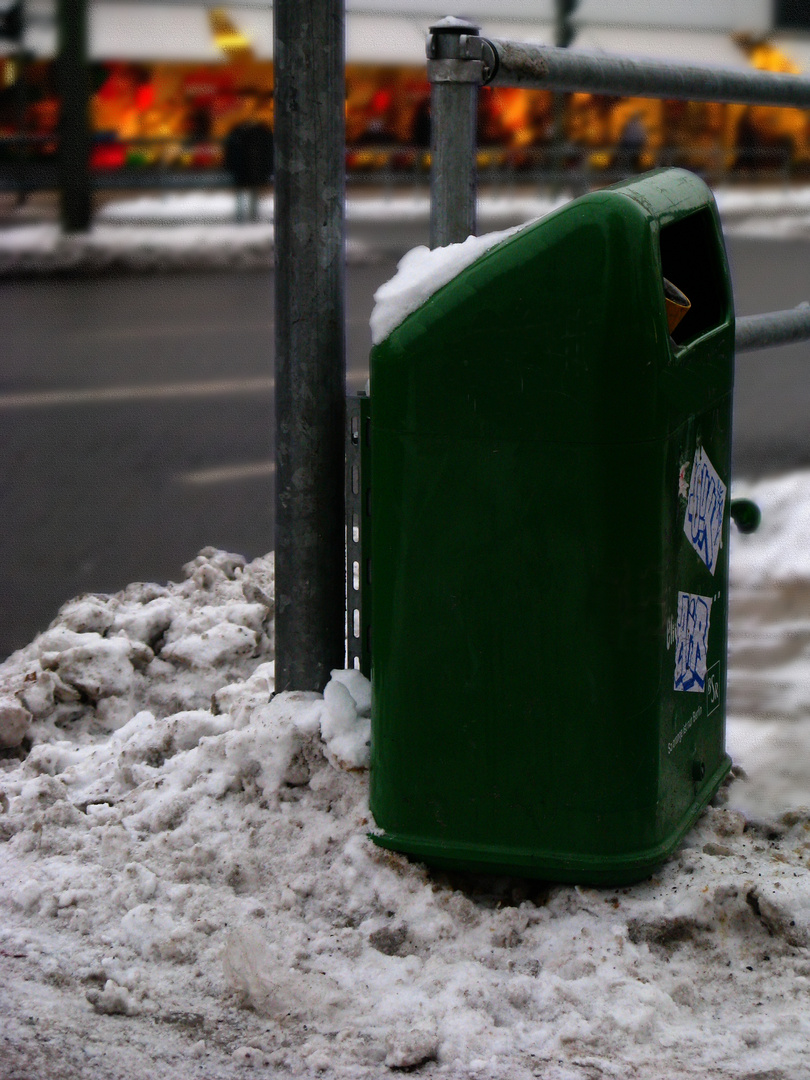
<point x="775" y="328"/>
<point x="460" y="61"/>
<point x="545" y="68"/>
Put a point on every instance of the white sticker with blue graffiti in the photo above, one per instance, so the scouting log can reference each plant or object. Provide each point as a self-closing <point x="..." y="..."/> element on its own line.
<point x="705" y="506"/>
<point x="692" y="641"/>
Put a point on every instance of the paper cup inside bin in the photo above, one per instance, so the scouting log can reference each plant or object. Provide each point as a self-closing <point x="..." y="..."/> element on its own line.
<point x="677" y="304"/>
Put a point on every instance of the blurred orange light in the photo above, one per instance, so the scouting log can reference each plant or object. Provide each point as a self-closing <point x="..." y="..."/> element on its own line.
<point x="145" y="97"/>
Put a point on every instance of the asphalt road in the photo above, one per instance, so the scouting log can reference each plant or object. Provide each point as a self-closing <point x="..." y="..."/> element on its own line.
<point x="772" y="387"/>
<point x="136" y="419"/>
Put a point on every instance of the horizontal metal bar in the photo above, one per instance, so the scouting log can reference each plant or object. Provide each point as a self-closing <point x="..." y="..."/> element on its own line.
<point x="546" y="68"/>
<point x="774" y="328"/>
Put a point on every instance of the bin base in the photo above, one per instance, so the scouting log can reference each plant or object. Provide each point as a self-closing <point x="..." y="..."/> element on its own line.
<point x="607" y="870"/>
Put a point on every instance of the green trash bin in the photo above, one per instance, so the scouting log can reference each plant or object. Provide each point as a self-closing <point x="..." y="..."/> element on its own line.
<point x="550" y="455"/>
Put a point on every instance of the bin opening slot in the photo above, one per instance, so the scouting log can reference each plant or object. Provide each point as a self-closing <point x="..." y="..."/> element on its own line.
<point x="690" y="260"/>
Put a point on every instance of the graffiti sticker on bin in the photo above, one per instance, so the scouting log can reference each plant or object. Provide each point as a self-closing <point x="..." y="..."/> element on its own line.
<point x="692" y="641"/>
<point x="705" y="506"/>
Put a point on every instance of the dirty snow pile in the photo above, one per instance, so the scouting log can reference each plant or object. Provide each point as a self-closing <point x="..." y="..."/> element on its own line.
<point x="162" y="648"/>
<point x="188" y="888"/>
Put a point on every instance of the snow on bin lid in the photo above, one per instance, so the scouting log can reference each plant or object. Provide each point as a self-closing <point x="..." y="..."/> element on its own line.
<point x="422" y="272"/>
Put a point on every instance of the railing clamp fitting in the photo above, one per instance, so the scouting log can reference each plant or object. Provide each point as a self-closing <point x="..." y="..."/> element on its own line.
<point x="457" y="53"/>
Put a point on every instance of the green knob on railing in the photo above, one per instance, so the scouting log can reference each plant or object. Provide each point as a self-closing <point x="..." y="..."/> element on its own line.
<point x="746" y="514"/>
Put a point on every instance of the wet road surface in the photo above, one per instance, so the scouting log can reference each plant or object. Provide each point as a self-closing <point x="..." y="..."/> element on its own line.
<point x="136" y="418"/>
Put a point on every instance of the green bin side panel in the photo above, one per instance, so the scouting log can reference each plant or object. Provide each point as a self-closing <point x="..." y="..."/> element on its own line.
<point x="533" y="432"/>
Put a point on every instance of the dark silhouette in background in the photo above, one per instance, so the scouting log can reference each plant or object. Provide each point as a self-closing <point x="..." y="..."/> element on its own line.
<point x="249" y="159"/>
<point x="631" y="144"/>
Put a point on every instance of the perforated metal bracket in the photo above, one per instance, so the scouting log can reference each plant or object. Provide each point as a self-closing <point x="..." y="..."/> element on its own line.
<point x="358" y="524"/>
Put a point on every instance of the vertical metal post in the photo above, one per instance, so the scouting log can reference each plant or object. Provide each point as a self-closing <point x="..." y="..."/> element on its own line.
<point x="455" y="70"/>
<point x="310" y="346"/>
<point x="21" y="151"/>
<point x="564" y="34"/>
<point x="12" y="29"/>
<point x="74" y="118"/>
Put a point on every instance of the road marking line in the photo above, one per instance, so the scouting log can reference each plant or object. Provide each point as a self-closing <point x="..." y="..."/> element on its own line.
<point x="226" y="474"/>
<point x="44" y="399"/>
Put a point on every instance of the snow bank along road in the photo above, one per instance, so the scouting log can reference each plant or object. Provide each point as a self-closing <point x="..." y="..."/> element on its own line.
<point x="196" y="229"/>
<point x="188" y="888"/>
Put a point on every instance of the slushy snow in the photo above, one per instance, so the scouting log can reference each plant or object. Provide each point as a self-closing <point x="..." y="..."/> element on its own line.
<point x="188" y="888"/>
<point x="44" y="248"/>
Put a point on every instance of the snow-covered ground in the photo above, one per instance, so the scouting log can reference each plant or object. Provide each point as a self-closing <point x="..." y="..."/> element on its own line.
<point x="220" y="206"/>
<point x="197" y="229"/>
<point x="188" y="888"/>
<point x="414" y="206"/>
<point x="43" y="248"/>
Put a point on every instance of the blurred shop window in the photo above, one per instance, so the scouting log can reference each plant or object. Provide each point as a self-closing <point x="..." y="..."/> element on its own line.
<point x="759" y="130"/>
<point x="42" y="107"/>
<point x="513" y="117"/>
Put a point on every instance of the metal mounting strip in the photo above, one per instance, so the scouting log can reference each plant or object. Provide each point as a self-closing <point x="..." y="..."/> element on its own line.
<point x="358" y="522"/>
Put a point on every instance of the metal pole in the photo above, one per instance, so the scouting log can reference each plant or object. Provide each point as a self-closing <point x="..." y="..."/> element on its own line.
<point x="310" y="345"/>
<point x="564" y="34"/>
<point x="12" y="28"/>
<point x="773" y="328"/>
<point x="545" y="68"/>
<point x="455" y="75"/>
<point x="74" y="118"/>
